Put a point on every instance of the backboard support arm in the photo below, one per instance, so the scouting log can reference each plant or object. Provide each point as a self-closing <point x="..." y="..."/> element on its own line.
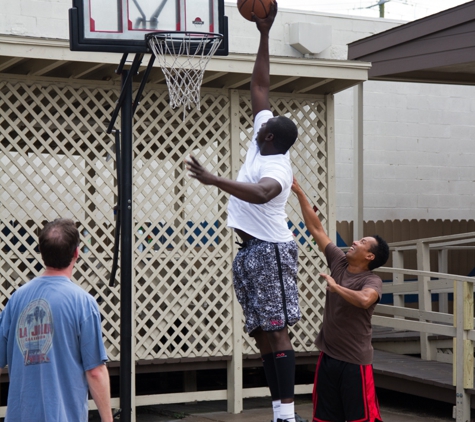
<point x="130" y="74"/>
<point x="118" y="164"/>
<point x="138" y="96"/>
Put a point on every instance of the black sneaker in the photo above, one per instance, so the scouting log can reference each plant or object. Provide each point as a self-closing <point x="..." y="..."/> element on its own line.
<point x="299" y="418"/>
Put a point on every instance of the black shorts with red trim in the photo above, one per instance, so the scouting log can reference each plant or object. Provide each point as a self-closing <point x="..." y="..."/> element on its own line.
<point x="344" y="392"/>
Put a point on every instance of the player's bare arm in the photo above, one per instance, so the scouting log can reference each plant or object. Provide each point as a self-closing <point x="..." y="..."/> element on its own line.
<point x="359" y="298"/>
<point x="254" y="193"/>
<point x="312" y="222"/>
<point x="98" y="381"/>
<point x="260" y="79"/>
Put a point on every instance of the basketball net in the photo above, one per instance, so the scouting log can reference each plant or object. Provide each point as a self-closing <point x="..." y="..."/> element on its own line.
<point x="183" y="57"/>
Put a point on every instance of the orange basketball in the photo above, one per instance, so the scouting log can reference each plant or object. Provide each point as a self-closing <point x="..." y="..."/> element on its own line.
<point x="260" y="8"/>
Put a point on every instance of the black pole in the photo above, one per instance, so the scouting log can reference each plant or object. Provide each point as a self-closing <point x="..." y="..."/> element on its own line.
<point x="138" y="96"/>
<point x="126" y="254"/>
<point x="115" y="258"/>
<point x="128" y="80"/>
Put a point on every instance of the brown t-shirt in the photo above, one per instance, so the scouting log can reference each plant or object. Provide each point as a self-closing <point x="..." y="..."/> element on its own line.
<point x="346" y="329"/>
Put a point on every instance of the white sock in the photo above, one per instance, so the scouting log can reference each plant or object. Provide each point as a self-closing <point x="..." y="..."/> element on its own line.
<point x="287" y="412"/>
<point x="276" y="409"/>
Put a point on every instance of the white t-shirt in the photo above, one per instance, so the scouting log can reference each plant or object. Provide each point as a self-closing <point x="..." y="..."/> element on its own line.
<point x="263" y="221"/>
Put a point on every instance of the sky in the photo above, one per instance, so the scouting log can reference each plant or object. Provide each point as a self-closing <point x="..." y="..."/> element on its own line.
<point x="406" y="10"/>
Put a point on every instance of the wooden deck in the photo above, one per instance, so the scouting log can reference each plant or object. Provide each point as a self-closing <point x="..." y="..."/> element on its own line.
<point x="409" y="374"/>
<point x="385" y="334"/>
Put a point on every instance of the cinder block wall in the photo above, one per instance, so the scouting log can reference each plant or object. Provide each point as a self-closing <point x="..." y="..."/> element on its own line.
<point x="33" y="18"/>
<point x="419" y="157"/>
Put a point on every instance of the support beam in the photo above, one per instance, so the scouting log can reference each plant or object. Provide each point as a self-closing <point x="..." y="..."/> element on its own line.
<point x="425" y="303"/>
<point x="463" y="349"/>
<point x="443" y="268"/>
<point x="234" y="367"/>
<point x="398" y="278"/>
<point x="308" y="87"/>
<point x="127" y="373"/>
<point x="358" y="160"/>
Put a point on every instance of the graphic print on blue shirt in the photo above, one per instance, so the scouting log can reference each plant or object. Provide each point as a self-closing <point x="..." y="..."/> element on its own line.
<point x="34" y="332"/>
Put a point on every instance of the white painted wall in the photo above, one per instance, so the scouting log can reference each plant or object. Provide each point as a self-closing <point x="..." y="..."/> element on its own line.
<point x="35" y="18"/>
<point x="419" y="151"/>
<point x="419" y="138"/>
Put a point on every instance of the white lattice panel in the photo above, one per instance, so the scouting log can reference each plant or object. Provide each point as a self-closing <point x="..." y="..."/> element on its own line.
<point x="56" y="160"/>
<point x="310" y="166"/>
<point x="53" y="163"/>
<point x="184" y="288"/>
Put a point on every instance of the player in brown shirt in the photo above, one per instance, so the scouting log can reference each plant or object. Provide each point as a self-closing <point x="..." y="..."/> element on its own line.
<point x="344" y="386"/>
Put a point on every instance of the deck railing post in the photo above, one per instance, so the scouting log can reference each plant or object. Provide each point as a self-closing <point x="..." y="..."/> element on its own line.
<point x="443" y="267"/>
<point x="425" y="303"/>
<point x="463" y="349"/>
<point x="234" y="368"/>
<point x="398" y="278"/>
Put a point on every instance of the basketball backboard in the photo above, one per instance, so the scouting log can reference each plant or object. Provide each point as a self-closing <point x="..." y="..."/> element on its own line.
<point x="121" y="25"/>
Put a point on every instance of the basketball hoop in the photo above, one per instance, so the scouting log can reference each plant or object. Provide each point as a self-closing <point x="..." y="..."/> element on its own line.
<point x="183" y="57"/>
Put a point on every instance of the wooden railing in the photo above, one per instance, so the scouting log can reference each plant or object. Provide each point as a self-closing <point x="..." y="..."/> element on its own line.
<point x="459" y="325"/>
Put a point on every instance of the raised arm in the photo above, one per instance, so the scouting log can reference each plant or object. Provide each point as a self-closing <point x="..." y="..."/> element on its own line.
<point x="312" y="222"/>
<point x="260" y="79"/>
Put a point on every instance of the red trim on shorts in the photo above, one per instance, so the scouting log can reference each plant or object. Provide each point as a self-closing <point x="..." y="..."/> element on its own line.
<point x="314" y="396"/>
<point x="371" y="405"/>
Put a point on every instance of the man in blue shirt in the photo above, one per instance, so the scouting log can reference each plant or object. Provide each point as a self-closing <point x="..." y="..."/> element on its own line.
<point x="51" y="339"/>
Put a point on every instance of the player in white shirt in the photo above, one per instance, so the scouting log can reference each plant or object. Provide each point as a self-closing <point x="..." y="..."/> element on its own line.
<point x="265" y="268"/>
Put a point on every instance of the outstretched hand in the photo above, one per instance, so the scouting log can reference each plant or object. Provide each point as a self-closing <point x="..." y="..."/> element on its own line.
<point x="264" y="25"/>
<point x="296" y="187"/>
<point x="331" y="283"/>
<point x="198" y="172"/>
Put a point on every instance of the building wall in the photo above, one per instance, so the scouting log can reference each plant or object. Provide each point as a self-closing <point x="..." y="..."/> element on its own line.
<point x="419" y="155"/>
<point x="47" y="18"/>
<point x="419" y="152"/>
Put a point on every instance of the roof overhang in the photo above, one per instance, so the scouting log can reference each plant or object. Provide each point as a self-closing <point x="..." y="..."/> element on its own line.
<point x="438" y="49"/>
<point x="39" y="57"/>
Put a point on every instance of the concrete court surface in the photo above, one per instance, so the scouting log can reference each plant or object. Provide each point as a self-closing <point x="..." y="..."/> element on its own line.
<point x="395" y="407"/>
<point x="305" y="411"/>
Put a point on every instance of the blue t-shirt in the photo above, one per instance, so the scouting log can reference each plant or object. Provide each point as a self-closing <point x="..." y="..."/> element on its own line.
<point x="50" y="334"/>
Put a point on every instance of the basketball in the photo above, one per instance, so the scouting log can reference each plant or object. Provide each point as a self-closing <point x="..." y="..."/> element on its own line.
<point x="260" y="8"/>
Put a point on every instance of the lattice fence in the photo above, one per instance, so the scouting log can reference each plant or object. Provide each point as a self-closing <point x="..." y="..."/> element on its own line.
<point x="56" y="160"/>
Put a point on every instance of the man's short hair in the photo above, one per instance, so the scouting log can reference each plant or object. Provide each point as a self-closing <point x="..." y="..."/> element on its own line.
<point x="57" y="243"/>
<point x="380" y="251"/>
<point x="285" y="132"/>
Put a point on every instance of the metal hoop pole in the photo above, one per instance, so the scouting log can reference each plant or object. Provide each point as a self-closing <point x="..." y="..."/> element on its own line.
<point x="126" y="254"/>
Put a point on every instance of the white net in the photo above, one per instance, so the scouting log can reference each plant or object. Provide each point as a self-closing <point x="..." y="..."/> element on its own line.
<point x="183" y="57"/>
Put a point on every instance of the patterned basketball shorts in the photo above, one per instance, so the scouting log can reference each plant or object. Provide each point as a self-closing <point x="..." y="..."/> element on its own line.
<point x="265" y="281"/>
